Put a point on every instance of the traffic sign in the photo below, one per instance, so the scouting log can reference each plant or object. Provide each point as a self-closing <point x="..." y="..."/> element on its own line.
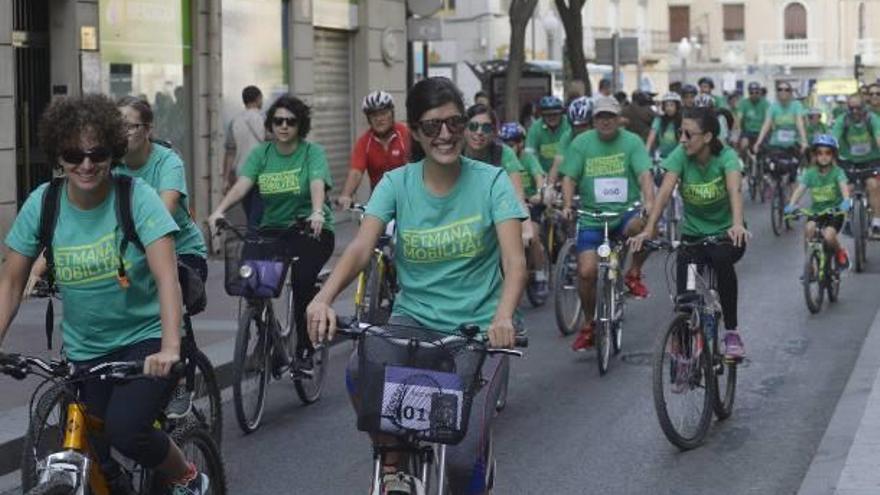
<point x="421" y="29"/>
<point x="628" y="51"/>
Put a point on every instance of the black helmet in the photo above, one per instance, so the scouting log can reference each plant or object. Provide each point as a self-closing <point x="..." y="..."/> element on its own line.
<point x="706" y="80"/>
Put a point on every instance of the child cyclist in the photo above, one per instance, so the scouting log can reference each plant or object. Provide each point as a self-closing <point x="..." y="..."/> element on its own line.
<point x="827" y="184"/>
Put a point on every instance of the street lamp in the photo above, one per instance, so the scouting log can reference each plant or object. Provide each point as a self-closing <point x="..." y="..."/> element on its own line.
<point x="551" y="25"/>
<point x="684" y="50"/>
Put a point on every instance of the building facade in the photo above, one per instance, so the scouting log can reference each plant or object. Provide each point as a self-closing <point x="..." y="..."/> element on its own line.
<point x="190" y="59"/>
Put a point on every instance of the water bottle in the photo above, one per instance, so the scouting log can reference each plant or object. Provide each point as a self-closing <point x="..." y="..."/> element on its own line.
<point x="710" y="324"/>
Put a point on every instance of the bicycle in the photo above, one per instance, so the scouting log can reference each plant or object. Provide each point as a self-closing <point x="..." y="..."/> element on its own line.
<point x="418" y="386"/>
<point x="753" y="169"/>
<point x="61" y="459"/>
<point x="377" y="283"/>
<point x="688" y="363"/>
<point x="861" y="213"/>
<point x="821" y="273"/>
<point x="264" y="346"/>
<point x="779" y="165"/>
<point x="566" y="299"/>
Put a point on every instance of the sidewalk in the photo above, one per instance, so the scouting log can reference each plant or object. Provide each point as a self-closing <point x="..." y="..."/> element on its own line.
<point x="215" y="331"/>
<point x="847" y="461"/>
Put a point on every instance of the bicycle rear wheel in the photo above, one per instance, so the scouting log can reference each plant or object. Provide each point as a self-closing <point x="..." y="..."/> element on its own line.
<point x="812" y="280"/>
<point x="604" y="321"/>
<point x="567" y="301"/>
<point x="45" y="433"/>
<point x="777" y="208"/>
<point x="251" y="368"/>
<point x="681" y="385"/>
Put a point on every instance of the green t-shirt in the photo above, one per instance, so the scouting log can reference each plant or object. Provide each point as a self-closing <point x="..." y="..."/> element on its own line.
<point x="858" y="146"/>
<point x="531" y="171"/>
<point x="837" y="112"/>
<point x="667" y="140"/>
<point x="814" y="130"/>
<point x="752" y="115"/>
<point x="99" y="315"/>
<point x="284" y="182"/>
<point x="606" y="172"/>
<point x="447" y="256"/>
<point x="720" y="102"/>
<point x="784" y="133"/>
<point x="703" y="189"/>
<point x="824" y="188"/>
<point x="544" y="143"/>
<point x="164" y="172"/>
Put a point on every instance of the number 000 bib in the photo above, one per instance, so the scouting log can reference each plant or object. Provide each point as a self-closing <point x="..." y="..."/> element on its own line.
<point x="614" y="190"/>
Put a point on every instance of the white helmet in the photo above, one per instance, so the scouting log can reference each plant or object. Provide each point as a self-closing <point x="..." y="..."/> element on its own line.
<point x="377" y="100"/>
<point x="704" y="100"/>
<point x="671" y="96"/>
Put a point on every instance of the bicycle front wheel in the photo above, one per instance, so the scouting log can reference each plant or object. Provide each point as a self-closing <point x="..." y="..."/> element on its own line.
<point x="45" y="433"/>
<point x="859" y="227"/>
<point x="251" y="369"/>
<point x="604" y="321"/>
<point x="777" y="208"/>
<point x="379" y="300"/>
<point x="682" y="387"/>
<point x="724" y="381"/>
<point x="813" y="283"/>
<point x="207" y="406"/>
<point x="55" y="486"/>
<point x="567" y="301"/>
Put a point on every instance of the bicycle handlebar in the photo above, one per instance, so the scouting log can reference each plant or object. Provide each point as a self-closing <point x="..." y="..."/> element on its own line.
<point x="607" y="214"/>
<point x="18" y="366"/>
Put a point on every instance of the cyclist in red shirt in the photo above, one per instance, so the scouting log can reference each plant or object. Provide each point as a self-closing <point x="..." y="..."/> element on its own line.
<point x="384" y="147"/>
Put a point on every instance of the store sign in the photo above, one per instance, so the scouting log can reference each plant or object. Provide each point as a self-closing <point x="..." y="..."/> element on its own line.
<point x="336" y="14"/>
<point x="145" y="31"/>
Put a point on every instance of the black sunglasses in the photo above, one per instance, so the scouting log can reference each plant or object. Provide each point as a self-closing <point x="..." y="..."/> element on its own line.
<point x="783" y="90"/>
<point x="77" y="156"/>
<point x="688" y="135"/>
<point x="485" y="128"/>
<point x="873" y="93"/>
<point x="431" y="127"/>
<point x="279" y="121"/>
<point x="755" y="92"/>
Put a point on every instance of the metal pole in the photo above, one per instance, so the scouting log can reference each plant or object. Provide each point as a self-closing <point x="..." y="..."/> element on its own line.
<point x="615" y="57"/>
<point x="425" y="62"/>
<point x="534" y="57"/>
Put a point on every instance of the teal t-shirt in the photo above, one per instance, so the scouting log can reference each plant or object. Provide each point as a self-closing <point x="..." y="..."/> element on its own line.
<point x="667" y="140"/>
<point x="824" y="188"/>
<point x="784" y="133"/>
<point x="531" y="171"/>
<point x="284" y="182"/>
<point x="544" y="142"/>
<point x="447" y="255"/>
<point x="99" y="315"/>
<point x="857" y="145"/>
<point x="606" y="172"/>
<point x="164" y="172"/>
<point x="752" y="115"/>
<point x="703" y="189"/>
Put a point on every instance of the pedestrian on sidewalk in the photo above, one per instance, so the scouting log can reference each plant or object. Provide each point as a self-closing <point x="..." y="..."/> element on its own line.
<point x="245" y="132"/>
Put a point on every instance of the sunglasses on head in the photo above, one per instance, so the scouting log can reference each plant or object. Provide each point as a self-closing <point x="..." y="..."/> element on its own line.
<point x="279" y="121"/>
<point x="432" y="127"/>
<point x="485" y="128"/>
<point x="77" y="156"/>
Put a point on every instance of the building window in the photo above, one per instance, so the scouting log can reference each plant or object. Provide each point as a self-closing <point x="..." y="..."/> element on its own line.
<point x="862" y="21"/>
<point x="679" y="23"/>
<point x="734" y="22"/>
<point x="795" y="21"/>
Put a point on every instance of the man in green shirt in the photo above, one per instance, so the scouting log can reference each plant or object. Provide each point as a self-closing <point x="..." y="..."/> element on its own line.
<point x="580" y="116"/>
<point x="750" y="115"/>
<point x="611" y="170"/>
<point x="874" y="98"/>
<point x="858" y="134"/>
<point x="544" y="135"/>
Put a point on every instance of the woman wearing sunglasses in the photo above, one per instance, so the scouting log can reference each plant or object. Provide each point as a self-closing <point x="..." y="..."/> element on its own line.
<point x="481" y="144"/>
<point x="107" y="318"/>
<point x="711" y="180"/>
<point x="293" y="179"/>
<point x="785" y="119"/>
<point x="458" y="225"/>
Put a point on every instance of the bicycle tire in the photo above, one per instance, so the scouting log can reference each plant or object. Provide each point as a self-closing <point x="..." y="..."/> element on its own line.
<point x="604" y="321"/>
<point x="680" y="323"/>
<point x="537" y="299"/>
<point x="376" y="295"/>
<point x="814" y="289"/>
<point x="250" y="422"/>
<point x="776" y="210"/>
<point x="309" y="389"/>
<point x="210" y="461"/>
<point x="832" y="278"/>
<point x="723" y="405"/>
<point x="210" y="411"/>
<point x="568" y="312"/>
<point x="57" y="396"/>
<point x="501" y="402"/>
<point x="858" y="227"/>
<point x="55" y="486"/>
<point x="751" y="177"/>
<point x="360" y="310"/>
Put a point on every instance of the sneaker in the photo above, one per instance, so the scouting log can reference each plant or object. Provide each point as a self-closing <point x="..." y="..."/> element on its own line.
<point x="842" y="259"/>
<point x="198" y="486"/>
<point x="399" y="484"/>
<point x="305" y="364"/>
<point x="584" y="339"/>
<point x="733" y="346"/>
<point x="181" y="402"/>
<point x="636" y="288"/>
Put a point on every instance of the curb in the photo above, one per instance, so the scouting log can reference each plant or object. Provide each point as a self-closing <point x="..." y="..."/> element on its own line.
<point x="824" y="473"/>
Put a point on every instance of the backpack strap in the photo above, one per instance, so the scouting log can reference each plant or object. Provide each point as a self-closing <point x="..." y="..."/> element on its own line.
<point x="48" y="219"/>
<point x="125" y="220"/>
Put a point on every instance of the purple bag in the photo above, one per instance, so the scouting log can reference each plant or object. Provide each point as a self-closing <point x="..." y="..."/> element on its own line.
<point x="258" y="278"/>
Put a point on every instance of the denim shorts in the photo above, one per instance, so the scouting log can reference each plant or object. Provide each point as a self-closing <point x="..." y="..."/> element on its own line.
<point x="590" y="239"/>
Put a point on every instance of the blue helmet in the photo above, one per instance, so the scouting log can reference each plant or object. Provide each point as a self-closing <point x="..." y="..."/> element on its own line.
<point x="689" y="89"/>
<point x="825" y="141"/>
<point x="550" y="102"/>
<point x="511" y="131"/>
<point x="580" y="111"/>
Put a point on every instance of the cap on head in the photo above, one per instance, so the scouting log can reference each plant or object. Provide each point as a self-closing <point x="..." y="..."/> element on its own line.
<point x="606" y="104"/>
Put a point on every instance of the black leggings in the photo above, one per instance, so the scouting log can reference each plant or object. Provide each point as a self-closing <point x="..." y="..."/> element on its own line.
<point x="129" y="409"/>
<point x="722" y="257"/>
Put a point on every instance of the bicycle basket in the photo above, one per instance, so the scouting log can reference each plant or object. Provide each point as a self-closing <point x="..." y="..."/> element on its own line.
<point x="414" y="386"/>
<point x="253" y="269"/>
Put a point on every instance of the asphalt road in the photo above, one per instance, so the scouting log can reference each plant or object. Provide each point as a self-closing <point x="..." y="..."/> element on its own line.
<point x="568" y="431"/>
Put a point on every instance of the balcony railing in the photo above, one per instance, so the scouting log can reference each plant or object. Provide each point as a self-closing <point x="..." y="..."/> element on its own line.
<point x="870" y="50"/>
<point x="790" y="52"/>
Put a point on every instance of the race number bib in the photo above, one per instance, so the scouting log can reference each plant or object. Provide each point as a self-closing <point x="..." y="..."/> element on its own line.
<point x="419" y="400"/>
<point x="860" y="149"/>
<point x="785" y="136"/>
<point x="611" y="190"/>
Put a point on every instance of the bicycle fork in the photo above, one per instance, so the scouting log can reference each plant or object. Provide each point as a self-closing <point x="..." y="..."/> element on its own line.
<point x="75" y="462"/>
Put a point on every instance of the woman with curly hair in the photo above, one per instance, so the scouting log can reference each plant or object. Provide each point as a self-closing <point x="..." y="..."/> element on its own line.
<point x="106" y="317"/>
<point x="293" y="179"/>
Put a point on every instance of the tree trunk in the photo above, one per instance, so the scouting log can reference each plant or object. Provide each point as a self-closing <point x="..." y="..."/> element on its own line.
<point x="574" y="40"/>
<point x="520" y="13"/>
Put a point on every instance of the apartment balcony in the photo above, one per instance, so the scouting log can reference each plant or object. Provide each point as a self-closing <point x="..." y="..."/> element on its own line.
<point x="790" y="52"/>
<point x="870" y="50"/>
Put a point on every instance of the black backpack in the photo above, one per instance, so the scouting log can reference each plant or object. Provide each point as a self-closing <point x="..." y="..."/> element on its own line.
<point x="49" y="218"/>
